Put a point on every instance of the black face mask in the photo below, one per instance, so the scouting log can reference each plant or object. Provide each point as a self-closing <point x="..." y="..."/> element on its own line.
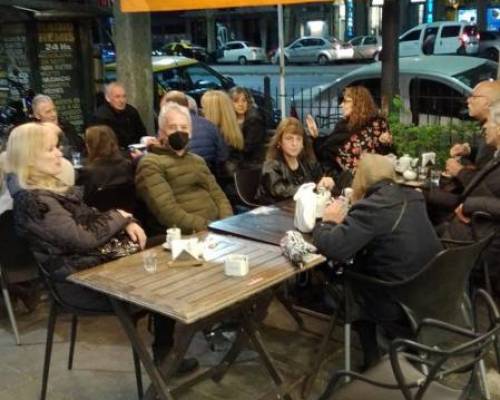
<point x="178" y="140"/>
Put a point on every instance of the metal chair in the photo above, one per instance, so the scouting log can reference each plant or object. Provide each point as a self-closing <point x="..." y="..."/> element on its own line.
<point x="17" y="264"/>
<point x="247" y="182"/>
<point x="400" y="374"/>
<point x="445" y="279"/>
<point x="59" y="306"/>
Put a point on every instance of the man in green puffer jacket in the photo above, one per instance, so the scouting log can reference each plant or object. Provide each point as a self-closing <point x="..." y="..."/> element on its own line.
<point x="176" y="185"/>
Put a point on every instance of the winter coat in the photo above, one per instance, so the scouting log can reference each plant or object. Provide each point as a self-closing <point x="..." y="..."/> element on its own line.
<point x="180" y="190"/>
<point x="126" y="124"/>
<point x="63" y="232"/>
<point x="254" y="134"/>
<point x="278" y="182"/>
<point x="207" y="142"/>
<point x="389" y="236"/>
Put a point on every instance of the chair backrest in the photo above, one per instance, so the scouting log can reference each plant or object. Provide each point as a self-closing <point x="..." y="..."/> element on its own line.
<point x="247" y="182"/>
<point x="16" y="259"/>
<point x="439" y="290"/>
<point x="120" y="196"/>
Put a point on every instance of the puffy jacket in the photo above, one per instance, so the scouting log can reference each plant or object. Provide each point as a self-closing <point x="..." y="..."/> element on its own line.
<point x="180" y="190"/>
<point x="207" y="142"/>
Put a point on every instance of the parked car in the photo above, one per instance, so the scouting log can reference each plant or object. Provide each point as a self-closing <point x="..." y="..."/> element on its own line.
<point x="187" y="49"/>
<point x="489" y="44"/>
<point x="240" y="52"/>
<point x="192" y="77"/>
<point x="433" y="88"/>
<point x="441" y="37"/>
<point x="311" y="49"/>
<point x="366" y="47"/>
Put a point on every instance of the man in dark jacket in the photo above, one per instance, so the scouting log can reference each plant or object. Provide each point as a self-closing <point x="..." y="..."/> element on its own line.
<point x="482" y="195"/>
<point x="120" y="116"/>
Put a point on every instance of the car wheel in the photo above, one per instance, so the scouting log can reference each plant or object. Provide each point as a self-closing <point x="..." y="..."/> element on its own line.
<point x="242" y="60"/>
<point x="492" y="54"/>
<point x="322" y="59"/>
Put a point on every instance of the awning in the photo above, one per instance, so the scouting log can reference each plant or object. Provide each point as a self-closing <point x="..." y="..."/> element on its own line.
<point x="175" y="5"/>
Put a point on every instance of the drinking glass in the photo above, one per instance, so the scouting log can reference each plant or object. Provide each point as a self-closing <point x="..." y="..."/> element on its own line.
<point x="435" y="177"/>
<point x="149" y="261"/>
<point x="76" y="159"/>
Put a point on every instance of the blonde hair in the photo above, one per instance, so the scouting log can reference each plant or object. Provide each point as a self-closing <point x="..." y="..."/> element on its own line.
<point x="219" y="110"/>
<point x="23" y="148"/>
<point x="372" y="168"/>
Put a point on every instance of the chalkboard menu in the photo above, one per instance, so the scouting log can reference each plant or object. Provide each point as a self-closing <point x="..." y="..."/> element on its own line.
<point x="14" y="62"/>
<point x="59" y="75"/>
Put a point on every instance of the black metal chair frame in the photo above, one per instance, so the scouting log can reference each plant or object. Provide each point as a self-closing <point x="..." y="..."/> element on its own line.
<point x="401" y="292"/>
<point x="59" y="306"/>
<point x="250" y="202"/>
<point x="29" y="273"/>
<point x="434" y="359"/>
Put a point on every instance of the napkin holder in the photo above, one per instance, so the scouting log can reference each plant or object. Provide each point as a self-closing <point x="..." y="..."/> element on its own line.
<point x="236" y="265"/>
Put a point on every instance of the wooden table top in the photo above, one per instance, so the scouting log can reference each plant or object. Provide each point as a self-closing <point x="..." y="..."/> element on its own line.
<point x="188" y="294"/>
<point x="266" y="224"/>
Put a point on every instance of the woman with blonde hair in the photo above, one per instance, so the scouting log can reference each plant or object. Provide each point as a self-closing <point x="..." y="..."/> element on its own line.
<point x="290" y="162"/>
<point x="388" y="235"/>
<point x="64" y="234"/>
<point x="106" y="167"/>
<point x="361" y="130"/>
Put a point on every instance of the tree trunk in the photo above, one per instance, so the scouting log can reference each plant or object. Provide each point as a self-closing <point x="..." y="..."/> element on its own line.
<point x="390" y="53"/>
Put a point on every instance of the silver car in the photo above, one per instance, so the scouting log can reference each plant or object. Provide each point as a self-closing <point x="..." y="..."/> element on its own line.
<point x="489" y="44"/>
<point x="433" y="89"/>
<point x="366" y="47"/>
<point x="311" y="49"/>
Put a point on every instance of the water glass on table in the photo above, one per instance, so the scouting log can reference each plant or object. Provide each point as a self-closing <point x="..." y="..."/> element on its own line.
<point x="149" y="260"/>
<point x="435" y="177"/>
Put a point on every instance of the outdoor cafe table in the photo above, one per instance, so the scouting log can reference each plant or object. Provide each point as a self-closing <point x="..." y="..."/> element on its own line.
<point x="266" y="224"/>
<point x="197" y="297"/>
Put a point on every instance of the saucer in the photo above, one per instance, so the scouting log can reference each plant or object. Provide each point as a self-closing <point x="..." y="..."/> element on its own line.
<point x="166" y="246"/>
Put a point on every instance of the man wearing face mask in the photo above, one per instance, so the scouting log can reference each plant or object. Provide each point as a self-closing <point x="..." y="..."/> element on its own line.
<point x="176" y="185"/>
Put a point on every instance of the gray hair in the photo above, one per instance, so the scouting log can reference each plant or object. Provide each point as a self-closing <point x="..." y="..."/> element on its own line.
<point x="170" y="107"/>
<point x="39" y="99"/>
<point x="110" y="86"/>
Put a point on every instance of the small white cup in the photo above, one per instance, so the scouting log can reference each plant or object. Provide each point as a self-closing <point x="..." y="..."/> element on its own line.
<point x="149" y="261"/>
<point x="172" y="234"/>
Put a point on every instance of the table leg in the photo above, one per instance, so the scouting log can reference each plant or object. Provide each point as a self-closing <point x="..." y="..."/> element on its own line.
<point x="230" y="356"/>
<point x="320" y="357"/>
<point x="183" y="335"/>
<point x="139" y="347"/>
<point x="253" y="333"/>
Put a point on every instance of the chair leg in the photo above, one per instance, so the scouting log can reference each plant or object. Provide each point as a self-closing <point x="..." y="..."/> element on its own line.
<point x="347" y="347"/>
<point x="74" y="327"/>
<point x="48" y="348"/>
<point x="483" y="381"/>
<point x="487" y="279"/>
<point x="10" y="309"/>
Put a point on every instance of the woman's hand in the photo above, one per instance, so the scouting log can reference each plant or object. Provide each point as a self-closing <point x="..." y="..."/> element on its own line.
<point x="326" y="182"/>
<point x="459" y="212"/>
<point x="311" y="126"/>
<point x="124" y="214"/>
<point x="136" y="233"/>
<point x="460" y="150"/>
<point x="335" y="212"/>
<point x="385" y="138"/>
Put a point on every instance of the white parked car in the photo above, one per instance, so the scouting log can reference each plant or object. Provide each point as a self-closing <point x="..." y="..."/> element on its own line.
<point x="441" y="37"/>
<point x="311" y="49"/>
<point x="240" y="52"/>
<point x="433" y="89"/>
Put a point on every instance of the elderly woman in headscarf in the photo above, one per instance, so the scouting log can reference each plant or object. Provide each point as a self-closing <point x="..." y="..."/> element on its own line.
<point x="387" y="234"/>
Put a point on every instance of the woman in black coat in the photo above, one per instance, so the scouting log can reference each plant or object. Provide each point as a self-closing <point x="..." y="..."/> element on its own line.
<point x="290" y="162"/>
<point x="64" y="234"/>
<point x="388" y="235"/>
<point x="252" y="126"/>
<point x="105" y="167"/>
